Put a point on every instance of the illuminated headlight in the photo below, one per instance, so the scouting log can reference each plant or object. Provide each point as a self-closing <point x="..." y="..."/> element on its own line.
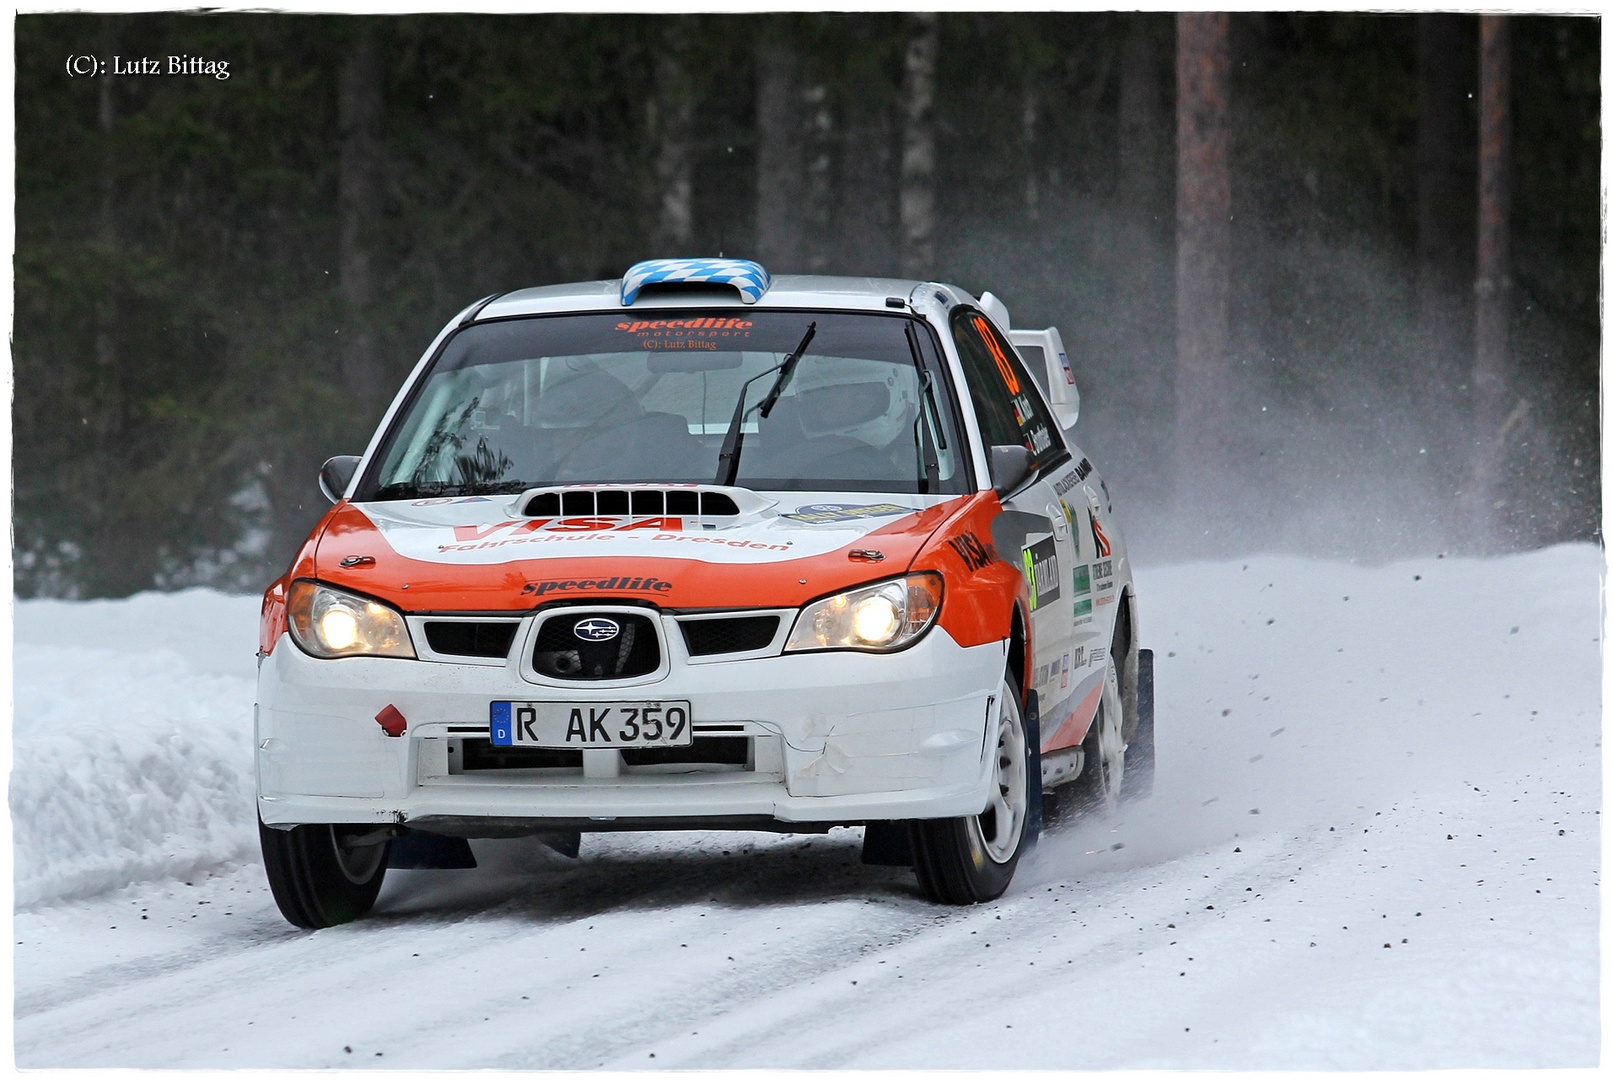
<point x="876" y="618"/>
<point x="328" y="623"/>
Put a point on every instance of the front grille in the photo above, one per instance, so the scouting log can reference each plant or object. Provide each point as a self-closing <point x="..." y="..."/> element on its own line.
<point x="708" y="637"/>
<point x="477" y="754"/>
<point x="562" y="653"/>
<point x="701" y="751"/>
<point x="471" y="638"/>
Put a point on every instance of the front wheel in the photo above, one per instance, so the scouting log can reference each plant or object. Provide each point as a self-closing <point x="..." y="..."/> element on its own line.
<point x="323" y="875"/>
<point x="970" y="859"/>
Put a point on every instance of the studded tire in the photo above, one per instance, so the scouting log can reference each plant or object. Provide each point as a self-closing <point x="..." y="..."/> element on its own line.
<point x="324" y="875"/>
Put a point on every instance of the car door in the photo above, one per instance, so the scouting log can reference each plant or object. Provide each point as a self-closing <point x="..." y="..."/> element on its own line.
<point x="1034" y="531"/>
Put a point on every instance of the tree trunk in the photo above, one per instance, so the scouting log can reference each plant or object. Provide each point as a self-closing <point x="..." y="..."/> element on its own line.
<point x="1491" y="284"/>
<point x="1143" y="210"/>
<point x="1143" y="123"/>
<point x="1204" y="238"/>
<point x="675" y="121"/>
<point x="917" y="201"/>
<point x="780" y="168"/>
<point x="819" y="192"/>
<point x="866" y="185"/>
<point x="109" y="423"/>
<point x="1029" y="108"/>
<point x="359" y="199"/>
<point x="1443" y="208"/>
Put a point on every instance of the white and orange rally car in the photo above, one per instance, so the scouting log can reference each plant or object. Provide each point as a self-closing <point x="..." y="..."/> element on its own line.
<point x="703" y="549"/>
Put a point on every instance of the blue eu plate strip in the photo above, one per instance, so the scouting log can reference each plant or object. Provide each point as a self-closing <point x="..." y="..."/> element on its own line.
<point x="499" y="724"/>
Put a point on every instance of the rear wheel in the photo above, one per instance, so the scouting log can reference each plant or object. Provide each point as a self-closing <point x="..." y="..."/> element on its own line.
<point x="970" y="859"/>
<point x="323" y="875"/>
<point x="1104" y="751"/>
<point x="1139" y="779"/>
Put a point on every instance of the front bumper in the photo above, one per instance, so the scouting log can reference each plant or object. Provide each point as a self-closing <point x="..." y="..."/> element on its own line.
<point x="833" y="737"/>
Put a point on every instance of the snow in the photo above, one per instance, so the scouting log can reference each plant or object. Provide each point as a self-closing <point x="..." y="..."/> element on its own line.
<point x="132" y="740"/>
<point x="1416" y="767"/>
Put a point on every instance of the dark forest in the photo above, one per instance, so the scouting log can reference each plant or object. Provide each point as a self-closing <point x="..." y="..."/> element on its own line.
<point x="221" y="281"/>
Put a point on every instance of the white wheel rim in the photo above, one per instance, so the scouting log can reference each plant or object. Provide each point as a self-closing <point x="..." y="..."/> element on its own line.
<point x="1111" y="745"/>
<point x="999" y="826"/>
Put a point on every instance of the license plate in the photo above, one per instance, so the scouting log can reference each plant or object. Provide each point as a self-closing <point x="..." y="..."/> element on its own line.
<point x="601" y="724"/>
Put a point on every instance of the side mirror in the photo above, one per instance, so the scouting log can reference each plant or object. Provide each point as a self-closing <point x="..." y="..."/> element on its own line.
<point x="336" y="474"/>
<point x="1010" y="467"/>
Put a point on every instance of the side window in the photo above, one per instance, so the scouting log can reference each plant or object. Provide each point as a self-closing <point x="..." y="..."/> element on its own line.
<point x="1007" y="405"/>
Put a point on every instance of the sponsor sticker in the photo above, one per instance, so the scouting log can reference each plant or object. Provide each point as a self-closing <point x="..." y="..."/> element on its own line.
<point x="1083" y="608"/>
<point x="1104" y="572"/>
<point x="1100" y="541"/>
<point x="610" y="584"/>
<point x="1106" y="599"/>
<point x="703" y="334"/>
<point x="1074" y="477"/>
<point x="1042" y="572"/>
<point x="969" y="548"/>
<point x="822" y="513"/>
<point x="1081" y="580"/>
<point x="1097" y="656"/>
<point x="1064" y="668"/>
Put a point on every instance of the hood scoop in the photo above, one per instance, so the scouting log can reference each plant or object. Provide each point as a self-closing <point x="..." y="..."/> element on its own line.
<point x="640" y="500"/>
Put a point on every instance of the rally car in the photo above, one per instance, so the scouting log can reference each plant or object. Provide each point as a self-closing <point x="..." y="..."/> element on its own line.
<point x="703" y="549"/>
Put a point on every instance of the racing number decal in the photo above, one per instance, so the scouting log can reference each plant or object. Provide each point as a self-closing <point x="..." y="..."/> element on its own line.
<point x="1002" y="361"/>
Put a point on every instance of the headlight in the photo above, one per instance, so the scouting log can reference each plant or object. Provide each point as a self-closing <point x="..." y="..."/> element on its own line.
<point x="875" y="618"/>
<point x="328" y="623"/>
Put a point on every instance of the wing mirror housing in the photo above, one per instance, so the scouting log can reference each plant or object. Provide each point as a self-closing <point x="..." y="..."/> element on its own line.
<point x="336" y="474"/>
<point x="1011" y="465"/>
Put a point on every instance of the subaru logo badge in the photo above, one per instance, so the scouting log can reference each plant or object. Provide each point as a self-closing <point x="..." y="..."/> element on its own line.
<point x="596" y="629"/>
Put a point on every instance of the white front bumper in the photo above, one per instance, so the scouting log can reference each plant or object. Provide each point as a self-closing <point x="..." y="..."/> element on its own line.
<point x="838" y="737"/>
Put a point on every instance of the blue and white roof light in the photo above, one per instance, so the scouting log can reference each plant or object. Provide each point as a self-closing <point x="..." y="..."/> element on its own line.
<point x="746" y="276"/>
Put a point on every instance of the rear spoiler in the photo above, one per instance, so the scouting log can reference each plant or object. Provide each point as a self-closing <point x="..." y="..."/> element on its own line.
<point x="1062" y="392"/>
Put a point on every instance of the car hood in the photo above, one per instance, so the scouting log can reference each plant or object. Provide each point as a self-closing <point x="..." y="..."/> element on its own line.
<point x="481" y="553"/>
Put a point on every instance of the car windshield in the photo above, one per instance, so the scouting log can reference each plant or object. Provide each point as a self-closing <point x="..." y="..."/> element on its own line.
<point x="650" y="396"/>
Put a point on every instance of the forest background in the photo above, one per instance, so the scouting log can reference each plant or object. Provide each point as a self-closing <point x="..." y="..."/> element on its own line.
<point x="220" y="282"/>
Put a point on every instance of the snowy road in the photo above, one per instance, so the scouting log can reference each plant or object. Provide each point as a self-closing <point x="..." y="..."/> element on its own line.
<point x="1373" y="844"/>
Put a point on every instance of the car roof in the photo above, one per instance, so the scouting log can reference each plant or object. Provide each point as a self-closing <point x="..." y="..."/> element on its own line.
<point x="787" y="291"/>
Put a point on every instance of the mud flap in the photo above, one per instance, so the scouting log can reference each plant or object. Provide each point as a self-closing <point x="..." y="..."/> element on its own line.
<point x="1137" y="781"/>
<point x="428" y="851"/>
<point x="1034" y="778"/>
<point x="885" y="843"/>
<point x="566" y="843"/>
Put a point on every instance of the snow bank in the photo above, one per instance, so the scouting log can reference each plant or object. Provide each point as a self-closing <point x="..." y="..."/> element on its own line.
<point x="131" y="740"/>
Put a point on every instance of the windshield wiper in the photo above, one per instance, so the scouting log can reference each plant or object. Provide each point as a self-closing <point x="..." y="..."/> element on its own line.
<point x="786" y="369"/>
<point x="728" y="458"/>
<point x="925" y="449"/>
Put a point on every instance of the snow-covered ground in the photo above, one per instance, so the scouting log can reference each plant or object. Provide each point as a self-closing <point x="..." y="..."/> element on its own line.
<point x="1373" y="844"/>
